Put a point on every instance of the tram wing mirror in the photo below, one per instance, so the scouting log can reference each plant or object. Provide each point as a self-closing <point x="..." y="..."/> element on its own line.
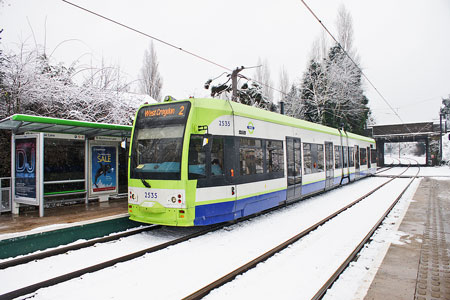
<point x="206" y="139"/>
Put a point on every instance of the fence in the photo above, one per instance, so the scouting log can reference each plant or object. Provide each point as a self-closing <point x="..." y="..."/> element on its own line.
<point x="5" y="194"/>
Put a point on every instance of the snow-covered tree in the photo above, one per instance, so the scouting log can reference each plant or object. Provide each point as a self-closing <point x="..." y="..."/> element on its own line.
<point x="314" y="93"/>
<point x="293" y="104"/>
<point x="253" y="95"/>
<point x="33" y="84"/>
<point x="105" y="77"/>
<point x="150" y="81"/>
<point x="331" y="89"/>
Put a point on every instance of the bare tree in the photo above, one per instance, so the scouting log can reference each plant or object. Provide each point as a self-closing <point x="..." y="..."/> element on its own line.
<point x="284" y="82"/>
<point x="319" y="49"/>
<point x="262" y="76"/>
<point x="105" y="77"/>
<point x="344" y="25"/>
<point x="150" y="81"/>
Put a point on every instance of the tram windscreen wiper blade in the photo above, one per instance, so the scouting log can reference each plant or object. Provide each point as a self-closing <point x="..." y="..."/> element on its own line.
<point x="147" y="185"/>
<point x="134" y="164"/>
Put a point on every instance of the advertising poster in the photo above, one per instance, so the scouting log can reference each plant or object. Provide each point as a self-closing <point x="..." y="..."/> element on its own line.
<point x="103" y="174"/>
<point x="25" y="181"/>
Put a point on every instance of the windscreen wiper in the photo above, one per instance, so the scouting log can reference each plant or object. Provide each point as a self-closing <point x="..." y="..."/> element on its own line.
<point x="134" y="164"/>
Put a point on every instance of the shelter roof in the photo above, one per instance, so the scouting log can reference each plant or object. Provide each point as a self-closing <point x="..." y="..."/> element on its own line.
<point x="19" y="123"/>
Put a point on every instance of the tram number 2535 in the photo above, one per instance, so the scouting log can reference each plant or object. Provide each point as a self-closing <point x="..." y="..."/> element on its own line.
<point x="150" y="195"/>
<point x="224" y="123"/>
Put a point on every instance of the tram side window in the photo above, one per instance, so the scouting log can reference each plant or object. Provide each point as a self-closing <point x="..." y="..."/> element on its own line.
<point x="197" y="158"/>
<point x="351" y="156"/>
<point x="307" y="158"/>
<point x="337" y="158"/>
<point x="345" y="153"/>
<point x="320" y="158"/>
<point x="373" y="156"/>
<point x="251" y="156"/>
<point x="217" y="156"/>
<point x="274" y="156"/>
<point x="363" y="156"/>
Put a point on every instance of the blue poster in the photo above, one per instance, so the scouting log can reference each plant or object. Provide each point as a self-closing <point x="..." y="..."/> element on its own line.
<point x="25" y="181"/>
<point x="103" y="174"/>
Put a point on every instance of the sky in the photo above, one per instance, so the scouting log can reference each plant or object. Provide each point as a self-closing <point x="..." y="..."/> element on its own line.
<point x="403" y="45"/>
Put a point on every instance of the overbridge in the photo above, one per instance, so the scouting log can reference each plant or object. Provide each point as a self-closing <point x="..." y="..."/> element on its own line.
<point x="425" y="132"/>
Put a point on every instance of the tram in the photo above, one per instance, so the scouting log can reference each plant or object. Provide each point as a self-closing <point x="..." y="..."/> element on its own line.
<point x="203" y="161"/>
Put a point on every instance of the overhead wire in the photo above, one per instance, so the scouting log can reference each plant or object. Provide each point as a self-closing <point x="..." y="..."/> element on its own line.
<point x="147" y="35"/>
<point x="170" y="44"/>
<point x="222" y="66"/>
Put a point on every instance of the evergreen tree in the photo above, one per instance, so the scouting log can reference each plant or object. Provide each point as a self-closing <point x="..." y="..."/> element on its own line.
<point x="313" y="92"/>
<point x="293" y="105"/>
<point x="331" y="88"/>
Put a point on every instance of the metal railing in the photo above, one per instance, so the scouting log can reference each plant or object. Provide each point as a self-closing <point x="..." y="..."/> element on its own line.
<point x="5" y="194"/>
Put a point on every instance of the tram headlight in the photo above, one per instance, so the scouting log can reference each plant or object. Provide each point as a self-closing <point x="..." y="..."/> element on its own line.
<point x="174" y="199"/>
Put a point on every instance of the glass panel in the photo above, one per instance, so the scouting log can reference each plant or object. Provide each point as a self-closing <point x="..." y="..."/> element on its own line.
<point x="157" y="152"/>
<point x="290" y="160"/>
<point x="363" y="156"/>
<point x="373" y="156"/>
<point x="251" y="157"/>
<point x="345" y="149"/>
<point x="351" y="156"/>
<point x="337" y="157"/>
<point x="63" y="159"/>
<point x="5" y="204"/>
<point x="320" y="158"/>
<point x="217" y="157"/>
<point x="307" y="159"/>
<point x="298" y="161"/>
<point x="275" y="156"/>
<point x="197" y="158"/>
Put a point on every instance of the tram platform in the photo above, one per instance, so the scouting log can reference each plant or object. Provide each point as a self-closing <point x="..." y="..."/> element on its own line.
<point x="68" y="214"/>
<point x="418" y="267"/>
<point x="27" y="232"/>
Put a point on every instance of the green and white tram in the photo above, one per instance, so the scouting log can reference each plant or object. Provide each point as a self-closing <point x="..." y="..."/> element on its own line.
<point x="204" y="161"/>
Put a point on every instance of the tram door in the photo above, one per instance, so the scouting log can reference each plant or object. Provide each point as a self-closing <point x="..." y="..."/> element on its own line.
<point x="294" y="168"/>
<point x="356" y="162"/>
<point x="329" y="165"/>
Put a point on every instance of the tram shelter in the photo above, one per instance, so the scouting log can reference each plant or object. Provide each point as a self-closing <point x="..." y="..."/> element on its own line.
<point x="57" y="160"/>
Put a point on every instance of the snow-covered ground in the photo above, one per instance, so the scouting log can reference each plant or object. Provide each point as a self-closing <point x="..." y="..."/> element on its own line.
<point x="293" y="274"/>
<point x="404" y="159"/>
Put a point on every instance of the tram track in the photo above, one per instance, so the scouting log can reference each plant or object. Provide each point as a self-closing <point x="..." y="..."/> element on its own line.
<point x="384" y="169"/>
<point x="199" y="294"/>
<point x="103" y="265"/>
<point x="100" y="266"/>
<point x="61" y="250"/>
<point x="97" y="267"/>
<point x="321" y="292"/>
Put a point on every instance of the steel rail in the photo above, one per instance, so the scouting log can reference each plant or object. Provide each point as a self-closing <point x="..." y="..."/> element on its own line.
<point x="385" y="169"/>
<point x="251" y="264"/>
<point x="321" y="292"/>
<point x="61" y="250"/>
<point x="59" y="279"/>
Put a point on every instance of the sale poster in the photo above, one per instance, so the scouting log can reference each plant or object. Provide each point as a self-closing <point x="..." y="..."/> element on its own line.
<point x="103" y="168"/>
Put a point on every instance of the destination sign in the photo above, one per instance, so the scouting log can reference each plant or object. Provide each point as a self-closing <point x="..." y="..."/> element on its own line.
<point x="175" y="110"/>
<point x="166" y="113"/>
